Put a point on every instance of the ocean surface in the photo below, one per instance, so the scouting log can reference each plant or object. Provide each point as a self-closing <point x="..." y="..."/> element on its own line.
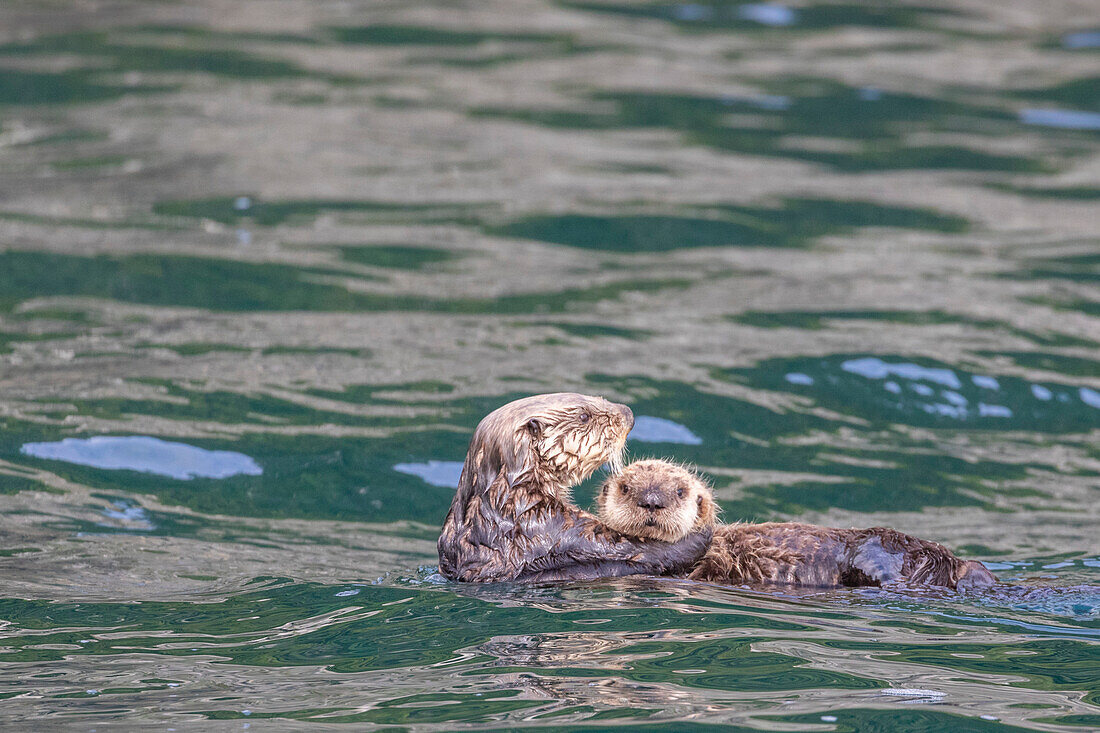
<point x="264" y="264"/>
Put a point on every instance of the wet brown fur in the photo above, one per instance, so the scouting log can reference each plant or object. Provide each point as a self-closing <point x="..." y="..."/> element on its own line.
<point x="513" y="517"/>
<point x="785" y="553"/>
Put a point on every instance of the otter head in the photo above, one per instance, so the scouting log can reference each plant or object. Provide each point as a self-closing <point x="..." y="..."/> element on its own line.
<point x="658" y="500"/>
<point x="554" y="441"/>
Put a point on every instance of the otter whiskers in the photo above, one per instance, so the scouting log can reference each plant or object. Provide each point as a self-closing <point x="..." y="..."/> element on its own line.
<point x="615" y="461"/>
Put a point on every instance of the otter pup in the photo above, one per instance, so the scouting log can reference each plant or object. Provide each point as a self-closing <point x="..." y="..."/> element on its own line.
<point x="660" y="500"/>
<point x="513" y="516"/>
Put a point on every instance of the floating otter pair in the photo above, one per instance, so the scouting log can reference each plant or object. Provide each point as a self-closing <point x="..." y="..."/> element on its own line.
<point x="662" y="501"/>
<point x="513" y="516"/>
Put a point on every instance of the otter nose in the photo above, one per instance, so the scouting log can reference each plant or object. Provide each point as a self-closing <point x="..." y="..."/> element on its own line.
<point x="652" y="500"/>
<point x="627" y="415"/>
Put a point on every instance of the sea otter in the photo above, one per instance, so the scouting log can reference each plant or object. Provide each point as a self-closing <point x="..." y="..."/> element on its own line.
<point x="513" y="517"/>
<point x="662" y="501"/>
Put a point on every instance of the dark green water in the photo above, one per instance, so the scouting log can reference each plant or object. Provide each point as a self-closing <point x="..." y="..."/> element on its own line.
<point x="263" y="267"/>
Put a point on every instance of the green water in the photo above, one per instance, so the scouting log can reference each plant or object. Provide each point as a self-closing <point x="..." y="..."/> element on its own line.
<point x="264" y="267"/>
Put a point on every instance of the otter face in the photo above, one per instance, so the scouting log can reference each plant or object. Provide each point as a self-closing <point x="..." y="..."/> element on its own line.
<point x="558" y="439"/>
<point x="657" y="500"/>
<point x="574" y="435"/>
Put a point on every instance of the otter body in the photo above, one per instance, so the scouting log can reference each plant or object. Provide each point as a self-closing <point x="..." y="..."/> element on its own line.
<point x="512" y="518"/>
<point x="791" y="553"/>
<point x="660" y="500"/>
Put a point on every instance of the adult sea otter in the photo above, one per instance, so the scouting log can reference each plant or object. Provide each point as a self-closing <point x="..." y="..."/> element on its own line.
<point x="513" y="517"/>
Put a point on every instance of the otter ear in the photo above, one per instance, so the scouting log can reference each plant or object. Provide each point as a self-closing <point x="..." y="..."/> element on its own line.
<point x="524" y="446"/>
<point x="708" y="510"/>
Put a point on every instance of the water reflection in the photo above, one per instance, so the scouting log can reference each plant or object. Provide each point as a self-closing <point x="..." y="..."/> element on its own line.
<point x="746" y="16"/>
<point x="666" y="650"/>
<point x="146" y="455"/>
<point x="128" y="516"/>
<point x="794" y="224"/>
<point x="649" y="429"/>
<point x="839" y="256"/>
<point x="874" y="368"/>
<point x="1070" y="119"/>
<point x="864" y="124"/>
<point x="436" y="473"/>
<point x="772" y="14"/>
<point x="1082" y="39"/>
<point x="906" y="390"/>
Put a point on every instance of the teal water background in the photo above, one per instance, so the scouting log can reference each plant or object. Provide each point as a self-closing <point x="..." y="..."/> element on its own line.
<point x="264" y="264"/>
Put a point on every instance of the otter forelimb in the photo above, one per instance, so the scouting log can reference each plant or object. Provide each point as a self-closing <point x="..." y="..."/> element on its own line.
<point x="589" y="549"/>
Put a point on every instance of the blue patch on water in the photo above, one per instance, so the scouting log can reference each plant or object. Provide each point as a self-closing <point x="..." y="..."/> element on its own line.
<point x="799" y="378"/>
<point x="437" y="473"/>
<point x="992" y="565"/>
<point x="985" y="382"/>
<point x="939" y="408"/>
<point x="659" y="430"/>
<point x="1041" y="393"/>
<point x="1090" y="397"/>
<point x="692" y="11"/>
<point x="985" y="410"/>
<point x="955" y="398"/>
<point x="146" y="455"/>
<point x="1081" y="39"/>
<point x="772" y="14"/>
<point x="132" y="516"/>
<point x="772" y="102"/>
<point x="1068" y="119"/>
<point x="875" y="368"/>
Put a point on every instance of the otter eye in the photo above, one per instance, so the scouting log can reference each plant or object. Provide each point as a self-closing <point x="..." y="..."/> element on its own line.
<point x="699" y="501"/>
<point x="624" y="488"/>
<point x="680" y="492"/>
<point x="584" y="417"/>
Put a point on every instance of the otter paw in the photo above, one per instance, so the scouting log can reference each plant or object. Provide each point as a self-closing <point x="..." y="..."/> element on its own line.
<point x="975" y="576"/>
